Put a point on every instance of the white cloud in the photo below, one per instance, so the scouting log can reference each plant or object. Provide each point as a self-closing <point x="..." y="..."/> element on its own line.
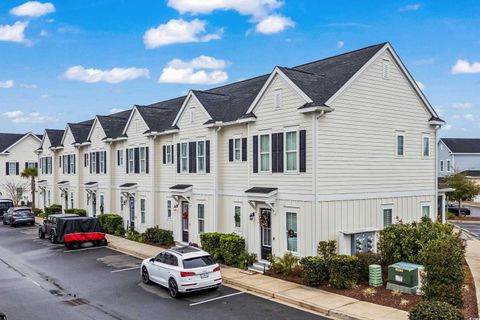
<point x="255" y="8"/>
<point x="33" y="9"/>
<point x="114" y="75"/>
<point x="463" y="66"/>
<point x="274" y="24"/>
<point x="462" y="105"/>
<point x="456" y="116"/>
<point x="468" y="116"/>
<point x="18" y="116"/>
<point x="193" y="71"/>
<point x="420" y="85"/>
<point x="463" y="129"/>
<point x="340" y="44"/>
<point x="7" y="84"/>
<point x="44" y="96"/>
<point x="14" y="33"/>
<point x="447" y="127"/>
<point x="116" y="110"/>
<point x="44" y="33"/>
<point x="178" y="31"/>
<point x="28" y="86"/>
<point x="410" y="7"/>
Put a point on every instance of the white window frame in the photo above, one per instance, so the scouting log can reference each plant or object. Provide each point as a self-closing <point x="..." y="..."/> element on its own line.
<point x="94" y="163"/>
<point x="297" y="151"/>
<point x="131" y="160"/>
<point x="442" y="167"/>
<point x="239" y="149"/>
<point x="168" y="156"/>
<point x="87" y="159"/>
<point x="269" y="135"/>
<point x="143" y="210"/>
<point x="200" y="157"/>
<point x="120" y="157"/>
<point x="142" y="161"/>
<point x="397" y="135"/>
<point x="449" y="165"/>
<point x="200" y="219"/>
<point x="30" y="164"/>
<point x="286" y="227"/>
<point x="169" y="209"/>
<point x="277" y="98"/>
<point x="425" y="136"/>
<point x="11" y="165"/>
<point x="101" y="158"/>
<point x="387" y="207"/>
<point x="425" y="205"/>
<point x="235" y="214"/>
<point x="184" y="158"/>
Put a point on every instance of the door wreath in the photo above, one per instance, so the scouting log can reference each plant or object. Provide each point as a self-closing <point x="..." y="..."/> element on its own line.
<point x="264" y="219"/>
<point x="185" y="215"/>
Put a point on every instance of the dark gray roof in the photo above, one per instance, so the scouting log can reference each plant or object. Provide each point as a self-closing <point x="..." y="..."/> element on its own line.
<point x="114" y="124"/>
<point x="180" y="187"/>
<point x="55" y="136"/>
<point x="260" y="190"/>
<point x="7" y="139"/>
<point x="159" y="116"/>
<point x="81" y="130"/>
<point x="471" y="173"/>
<point x="128" y="185"/>
<point x="461" y="145"/>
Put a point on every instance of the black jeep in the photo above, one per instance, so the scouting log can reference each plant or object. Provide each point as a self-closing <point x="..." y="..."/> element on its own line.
<point x="49" y="226"/>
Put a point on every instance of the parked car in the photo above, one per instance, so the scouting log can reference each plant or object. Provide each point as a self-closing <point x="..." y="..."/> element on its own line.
<point x="19" y="215"/>
<point x="455" y="209"/>
<point x="182" y="269"/>
<point x="49" y="226"/>
<point x="5" y="204"/>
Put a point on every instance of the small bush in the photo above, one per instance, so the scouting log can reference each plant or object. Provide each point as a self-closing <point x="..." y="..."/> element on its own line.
<point x="120" y="231"/>
<point x="315" y="271"/>
<point x="133" y="235"/>
<point x="365" y="259"/>
<point x="231" y="248"/>
<point x="434" y="310"/>
<point x="283" y="265"/>
<point x="246" y="260"/>
<point x="78" y="211"/>
<point x="327" y="249"/>
<point x="210" y="242"/>
<point x="38" y="212"/>
<point x="53" y="209"/>
<point x="110" y="222"/>
<point x="343" y="271"/>
<point x="158" y="236"/>
<point x="444" y="272"/>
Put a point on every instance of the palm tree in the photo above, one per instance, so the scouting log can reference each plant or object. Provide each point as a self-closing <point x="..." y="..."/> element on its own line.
<point x="31" y="173"/>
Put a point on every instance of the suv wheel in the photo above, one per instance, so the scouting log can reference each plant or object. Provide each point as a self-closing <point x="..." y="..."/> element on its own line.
<point x="145" y="276"/>
<point x="41" y="234"/>
<point x="173" y="288"/>
<point x="53" y="239"/>
<point x="4" y="222"/>
<point x="11" y="223"/>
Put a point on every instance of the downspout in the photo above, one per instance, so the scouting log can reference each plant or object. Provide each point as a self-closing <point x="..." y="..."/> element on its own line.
<point x="110" y="175"/>
<point x="314" y="174"/>
<point x="215" y="182"/>
<point x="152" y="162"/>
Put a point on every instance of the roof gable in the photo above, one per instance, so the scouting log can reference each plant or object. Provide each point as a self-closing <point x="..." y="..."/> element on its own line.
<point x="462" y="145"/>
<point x="192" y="95"/>
<point x="9" y="140"/>
<point x="55" y="136"/>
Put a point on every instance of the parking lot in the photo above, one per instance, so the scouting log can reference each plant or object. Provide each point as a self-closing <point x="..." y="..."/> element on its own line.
<point x="473" y="228"/>
<point x="40" y="280"/>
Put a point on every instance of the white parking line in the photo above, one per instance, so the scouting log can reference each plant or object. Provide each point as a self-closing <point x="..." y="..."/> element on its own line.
<point x="217" y="298"/>
<point x="83" y="249"/>
<point x="126" y="269"/>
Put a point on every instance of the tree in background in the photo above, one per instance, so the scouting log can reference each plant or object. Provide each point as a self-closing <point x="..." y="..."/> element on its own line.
<point x="465" y="189"/>
<point x="15" y="189"/>
<point x="31" y="173"/>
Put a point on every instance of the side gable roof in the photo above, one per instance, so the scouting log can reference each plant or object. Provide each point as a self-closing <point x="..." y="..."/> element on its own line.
<point x="8" y="140"/>
<point x="461" y="145"/>
<point x="55" y="136"/>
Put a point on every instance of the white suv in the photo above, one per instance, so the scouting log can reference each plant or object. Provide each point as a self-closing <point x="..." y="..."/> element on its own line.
<point x="182" y="269"/>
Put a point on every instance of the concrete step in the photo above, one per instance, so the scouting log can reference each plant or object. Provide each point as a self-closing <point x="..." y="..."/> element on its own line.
<point x="259" y="266"/>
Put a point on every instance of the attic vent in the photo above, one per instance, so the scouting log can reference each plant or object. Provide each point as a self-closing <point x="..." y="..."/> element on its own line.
<point x="277" y="98"/>
<point x="386" y="69"/>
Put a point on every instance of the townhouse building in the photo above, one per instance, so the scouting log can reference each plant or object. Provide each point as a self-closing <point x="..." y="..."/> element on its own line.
<point x="17" y="152"/>
<point x="334" y="149"/>
<point x="458" y="155"/>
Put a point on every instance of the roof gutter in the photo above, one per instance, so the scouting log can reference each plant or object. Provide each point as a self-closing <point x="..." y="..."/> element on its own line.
<point x="162" y="133"/>
<point x="218" y="124"/>
<point x="321" y="109"/>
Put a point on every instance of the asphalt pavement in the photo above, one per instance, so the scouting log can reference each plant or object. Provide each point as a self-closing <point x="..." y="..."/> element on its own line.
<point x="40" y="280"/>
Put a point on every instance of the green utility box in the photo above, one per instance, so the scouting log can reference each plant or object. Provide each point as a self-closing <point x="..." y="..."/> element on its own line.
<point x="404" y="276"/>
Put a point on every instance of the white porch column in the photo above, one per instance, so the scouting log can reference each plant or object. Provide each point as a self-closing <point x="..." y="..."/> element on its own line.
<point x="444" y="218"/>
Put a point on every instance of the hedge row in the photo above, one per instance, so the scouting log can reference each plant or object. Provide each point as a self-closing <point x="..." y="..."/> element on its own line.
<point x="340" y="271"/>
<point x="112" y="223"/>
<point x="158" y="236"/>
<point x="78" y="211"/>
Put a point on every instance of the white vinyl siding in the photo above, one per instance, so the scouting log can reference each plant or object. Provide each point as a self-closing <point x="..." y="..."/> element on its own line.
<point x="264" y="153"/>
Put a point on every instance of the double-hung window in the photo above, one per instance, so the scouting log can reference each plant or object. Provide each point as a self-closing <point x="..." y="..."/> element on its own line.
<point x="120" y="157"/>
<point x="237" y="216"/>
<point x="400" y="150"/>
<point x="201" y="156"/>
<point x="184" y="156"/>
<point x="387" y="217"/>
<point x="291" y="151"/>
<point x="426" y="145"/>
<point x="201" y="217"/>
<point x="449" y="165"/>
<point x="30" y="164"/>
<point x="169" y="209"/>
<point x="168" y="149"/>
<point x="142" y="210"/>
<point x="265" y="153"/>
<point x="101" y="157"/>
<point x="426" y="210"/>
<point x="237" y="149"/>
<point x="292" y="231"/>
<point x="12" y="168"/>
<point x="131" y="160"/>
<point x="143" y="161"/>
<point x="441" y="166"/>
<point x="93" y="162"/>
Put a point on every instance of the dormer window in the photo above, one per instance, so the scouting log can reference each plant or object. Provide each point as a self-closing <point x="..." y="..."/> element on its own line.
<point x="277" y="98"/>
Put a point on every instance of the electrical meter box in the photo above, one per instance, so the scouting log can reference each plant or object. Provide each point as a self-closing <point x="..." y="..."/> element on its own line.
<point x="404" y="276"/>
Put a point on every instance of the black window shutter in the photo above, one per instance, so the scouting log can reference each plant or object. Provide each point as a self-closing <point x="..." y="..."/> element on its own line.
<point x="178" y="157"/>
<point x="255" y="154"/>
<point x="85" y="160"/>
<point x="207" y="156"/>
<point x="60" y="162"/>
<point x="164" y="154"/>
<point x="118" y="157"/>
<point x="194" y="149"/>
<point x="171" y="150"/>
<point x="126" y="158"/>
<point x="97" y="162"/>
<point x="68" y="164"/>
<point x="303" y="150"/>
<point x="274" y="152"/>
<point x="6" y="169"/>
<point x="91" y="169"/>
<point x="36" y="165"/>
<point x="146" y="159"/>
<point x="230" y="150"/>
<point x="244" y="149"/>
<point x="74" y="164"/>
<point x="104" y="161"/>
<point x="26" y="165"/>
<point x="17" y="167"/>
<point x="137" y="160"/>
<point x="191" y="157"/>
<point x="280" y="152"/>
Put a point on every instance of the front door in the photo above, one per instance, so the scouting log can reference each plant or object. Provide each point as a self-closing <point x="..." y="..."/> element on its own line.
<point x="265" y="233"/>
<point x="185" y="221"/>
<point x="131" y="205"/>
<point x="94" y="204"/>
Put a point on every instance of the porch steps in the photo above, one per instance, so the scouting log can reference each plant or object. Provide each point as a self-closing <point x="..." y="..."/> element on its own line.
<point x="260" y="266"/>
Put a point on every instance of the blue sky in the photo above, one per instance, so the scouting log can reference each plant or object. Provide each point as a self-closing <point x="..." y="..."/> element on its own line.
<point x="65" y="61"/>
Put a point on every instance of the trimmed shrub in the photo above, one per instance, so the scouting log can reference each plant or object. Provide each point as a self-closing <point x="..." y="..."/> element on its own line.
<point x="210" y="242"/>
<point x="78" y="211"/>
<point x="38" y="212"/>
<point x="315" y="271"/>
<point x="120" y="231"/>
<point x="231" y="248"/>
<point x="246" y="260"/>
<point x="110" y="222"/>
<point x="343" y="271"/>
<point x="434" y="310"/>
<point x="54" y="208"/>
<point x="156" y="235"/>
<point x="283" y="265"/>
<point x="444" y="273"/>
<point x="365" y="259"/>
<point x="327" y="249"/>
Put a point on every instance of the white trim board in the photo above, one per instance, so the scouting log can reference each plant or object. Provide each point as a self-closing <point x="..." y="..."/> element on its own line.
<point x="375" y="195"/>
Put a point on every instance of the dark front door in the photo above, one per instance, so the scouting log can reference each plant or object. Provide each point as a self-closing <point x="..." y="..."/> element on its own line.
<point x="185" y="221"/>
<point x="94" y="204"/>
<point x="131" y="206"/>
<point x="265" y="232"/>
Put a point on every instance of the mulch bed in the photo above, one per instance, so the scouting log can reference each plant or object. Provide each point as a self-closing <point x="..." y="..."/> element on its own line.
<point x="384" y="297"/>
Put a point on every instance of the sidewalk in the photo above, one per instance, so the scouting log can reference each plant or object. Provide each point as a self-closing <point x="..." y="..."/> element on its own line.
<point x="325" y="303"/>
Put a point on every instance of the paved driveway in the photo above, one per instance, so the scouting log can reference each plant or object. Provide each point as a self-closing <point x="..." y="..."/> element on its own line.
<point x="474" y="228"/>
<point x="39" y="280"/>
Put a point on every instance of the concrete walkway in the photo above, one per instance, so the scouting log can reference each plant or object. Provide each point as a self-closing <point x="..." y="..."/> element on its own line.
<point x="322" y="302"/>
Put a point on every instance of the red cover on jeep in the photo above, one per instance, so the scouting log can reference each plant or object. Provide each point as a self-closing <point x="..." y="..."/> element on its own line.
<point x="84" y="237"/>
